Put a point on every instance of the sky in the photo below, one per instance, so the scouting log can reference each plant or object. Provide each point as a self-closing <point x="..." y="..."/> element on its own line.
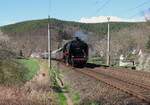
<point x="12" y="11"/>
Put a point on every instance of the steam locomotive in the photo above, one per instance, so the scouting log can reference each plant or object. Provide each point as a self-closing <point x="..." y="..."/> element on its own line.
<point x="74" y="52"/>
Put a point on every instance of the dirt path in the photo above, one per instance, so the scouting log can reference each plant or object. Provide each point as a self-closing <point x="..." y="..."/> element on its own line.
<point x="69" y="101"/>
<point x="39" y="86"/>
<point x="41" y="80"/>
<point x="66" y="94"/>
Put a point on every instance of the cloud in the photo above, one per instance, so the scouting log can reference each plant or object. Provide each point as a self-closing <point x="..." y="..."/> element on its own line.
<point x="147" y="14"/>
<point x="101" y="19"/>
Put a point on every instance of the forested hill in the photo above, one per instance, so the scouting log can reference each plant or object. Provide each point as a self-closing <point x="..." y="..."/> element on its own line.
<point x="97" y="28"/>
<point x="31" y="36"/>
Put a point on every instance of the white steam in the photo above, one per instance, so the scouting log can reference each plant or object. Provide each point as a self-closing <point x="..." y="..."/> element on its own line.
<point x="82" y="35"/>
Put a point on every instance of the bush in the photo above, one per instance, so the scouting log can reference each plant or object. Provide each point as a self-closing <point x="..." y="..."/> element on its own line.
<point x="14" y="71"/>
<point x="11" y="72"/>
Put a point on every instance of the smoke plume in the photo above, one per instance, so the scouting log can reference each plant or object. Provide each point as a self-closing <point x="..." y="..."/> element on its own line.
<point x="82" y="35"/>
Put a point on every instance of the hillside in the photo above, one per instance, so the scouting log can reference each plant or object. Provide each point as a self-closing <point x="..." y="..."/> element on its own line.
<point x="98" y="28"/>
<point x="31" y="36"/>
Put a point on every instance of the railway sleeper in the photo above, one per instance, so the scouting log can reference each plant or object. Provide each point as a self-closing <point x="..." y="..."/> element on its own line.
<point x="115" y="85"/>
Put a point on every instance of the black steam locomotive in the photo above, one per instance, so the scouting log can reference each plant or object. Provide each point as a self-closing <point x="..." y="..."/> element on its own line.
<point x="75" y="52"/>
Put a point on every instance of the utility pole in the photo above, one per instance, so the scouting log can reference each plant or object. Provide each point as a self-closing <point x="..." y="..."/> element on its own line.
<point x="49" y="44"/>
<point x="108" y="44"/>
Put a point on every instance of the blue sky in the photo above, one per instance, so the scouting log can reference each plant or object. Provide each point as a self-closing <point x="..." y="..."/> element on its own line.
<point x="12" y="11"/>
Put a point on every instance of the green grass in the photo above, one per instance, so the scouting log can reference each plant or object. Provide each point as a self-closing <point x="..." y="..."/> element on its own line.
<point x="76" y="98"/>
<point x="74" y="95"/>
<point x="97" y="60"/>
<point x="95" y="103"/>
<point x="55" y="77"/>
<point x="32" y="66"/>
<point x="62" y="99"/>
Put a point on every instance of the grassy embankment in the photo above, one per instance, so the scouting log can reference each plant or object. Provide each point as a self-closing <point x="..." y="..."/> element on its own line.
<point x="32" y="66"/>
<point x="17" y="72"/>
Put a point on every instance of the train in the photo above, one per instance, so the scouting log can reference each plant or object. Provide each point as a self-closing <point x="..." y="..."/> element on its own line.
<point x="74" y="53"/>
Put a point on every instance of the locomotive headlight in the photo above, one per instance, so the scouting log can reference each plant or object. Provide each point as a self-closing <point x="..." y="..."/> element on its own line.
<point x="72" y="56"/>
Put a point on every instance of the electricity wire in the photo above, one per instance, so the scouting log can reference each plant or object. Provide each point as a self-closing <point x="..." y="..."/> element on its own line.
<point x="134" y="8"/>
<point x="102" y="7"/>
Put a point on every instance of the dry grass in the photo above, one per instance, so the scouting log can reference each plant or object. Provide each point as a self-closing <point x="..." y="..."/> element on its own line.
<point x="34" y="92"/>
<point x="18" y="96"/>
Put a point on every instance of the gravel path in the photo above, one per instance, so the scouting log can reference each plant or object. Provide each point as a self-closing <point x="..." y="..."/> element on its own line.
<point x="91" y="90"/>
<point x="139" y="76"/>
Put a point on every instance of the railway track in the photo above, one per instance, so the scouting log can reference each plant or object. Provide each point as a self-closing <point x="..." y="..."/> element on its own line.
<point x="139" y="90"/>
<point x="123" y="76"/>
<point x="137" y="73"/>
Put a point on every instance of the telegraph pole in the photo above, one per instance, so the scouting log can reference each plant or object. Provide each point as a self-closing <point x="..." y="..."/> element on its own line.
<point x="49" y="44"/>
<point x="108" y="44"/>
